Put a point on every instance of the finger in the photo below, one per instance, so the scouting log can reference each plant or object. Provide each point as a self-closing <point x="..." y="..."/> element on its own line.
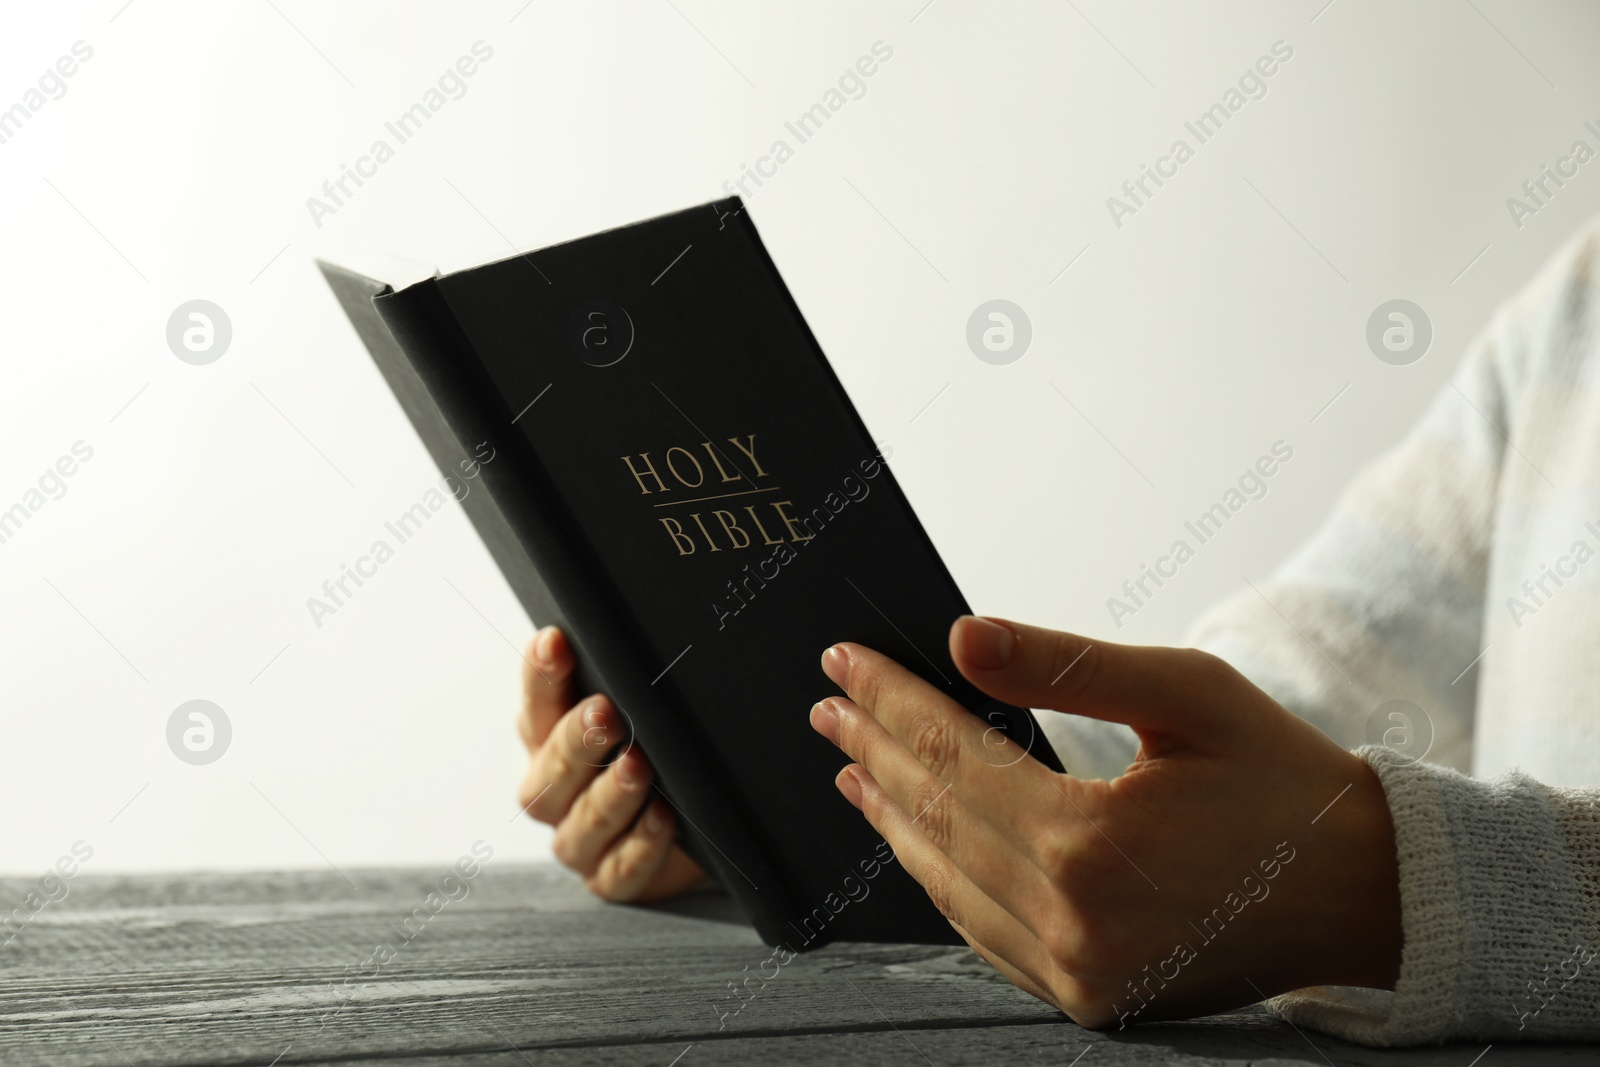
<point x="645" y="864"/>
<point x="546" y="685"/>
<point x="987" y="770"/>
<point x="1014" y="976"/>
<point x="677" y="876"/>
<point x="1161" y="689"/>
<point x="974" y="915"/>
<point x="570" y="758"/>
<point x="601" y="812"/>
<point x="996" y="856"/>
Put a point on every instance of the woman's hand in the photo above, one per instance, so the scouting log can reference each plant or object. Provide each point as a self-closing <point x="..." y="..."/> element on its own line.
<point x="1243" y="853"/>
<point x="594" y="806"/>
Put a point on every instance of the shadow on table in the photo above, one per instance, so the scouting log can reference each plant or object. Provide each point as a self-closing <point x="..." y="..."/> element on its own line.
<point x="712" y="905"/>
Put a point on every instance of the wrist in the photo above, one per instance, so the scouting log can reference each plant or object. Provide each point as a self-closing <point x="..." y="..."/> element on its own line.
<point x="1365" y="935"/>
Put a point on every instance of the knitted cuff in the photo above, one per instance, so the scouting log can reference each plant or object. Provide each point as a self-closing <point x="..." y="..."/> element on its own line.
<point x="1499" y="933"/>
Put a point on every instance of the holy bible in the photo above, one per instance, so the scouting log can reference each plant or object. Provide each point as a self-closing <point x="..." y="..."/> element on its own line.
<point x="680" y="482"/>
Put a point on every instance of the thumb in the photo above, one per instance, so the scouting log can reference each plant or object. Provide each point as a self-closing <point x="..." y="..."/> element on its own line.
<point x="1146" y="687"/>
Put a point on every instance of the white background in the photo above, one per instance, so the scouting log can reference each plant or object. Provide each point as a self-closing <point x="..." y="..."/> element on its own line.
<point x="1222" y="317"/>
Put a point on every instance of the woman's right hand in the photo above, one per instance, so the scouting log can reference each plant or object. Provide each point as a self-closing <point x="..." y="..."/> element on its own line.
<point x="623" y="855"/>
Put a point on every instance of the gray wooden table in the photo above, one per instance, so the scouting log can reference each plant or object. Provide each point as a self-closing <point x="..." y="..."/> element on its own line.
<point x="527" y="968"/>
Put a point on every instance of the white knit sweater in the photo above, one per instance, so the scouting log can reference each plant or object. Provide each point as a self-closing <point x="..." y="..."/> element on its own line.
<point x="1480" y="531"/>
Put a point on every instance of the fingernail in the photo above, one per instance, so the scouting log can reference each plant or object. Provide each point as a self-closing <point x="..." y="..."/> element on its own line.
<point x="850" y="786"/>
<point x="627" y="772"/>
<point x="825" y="720"/>
<point x="544" y="645"/>
<point x="594" y="717"/>
<point x="652" y="820"/>
<point x="836" y="665"/>
<point x="987" y="645"/>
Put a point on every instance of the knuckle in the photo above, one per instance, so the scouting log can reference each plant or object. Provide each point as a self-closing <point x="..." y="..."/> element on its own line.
<point x="1058" y="859"/>
<point x="561" y="849"/>
<point x="601" y="885"/>
<point x="556" y="761"/>
<point x="876" y="805"/>
<point x="1090" y="1004"/>
<point x="590" y="816"/>
<point x="866" y="681"/>
<point x="1071" y="948"/>
<point x="531" y="799"/>
<point x="855" y="740"/>
<point x="931" y="812"/>
<point x="1079" y="863"/>
<point x="628" y="866"/>
<point x="1074" y="663"/>
<point x="567" y="847"/>
<point x="1075" y="934"/>
<point x="936" y="883"/>
<point x="609" y="886"/>
<point x="542" y="682"/>
<point x="1089" y="951"/>
<point x="621" y="875"/>
<point x="1212" y="674"/>
<point x="932" y="740"/>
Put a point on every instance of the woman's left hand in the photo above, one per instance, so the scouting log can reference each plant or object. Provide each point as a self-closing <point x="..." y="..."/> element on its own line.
<point x="1242" y="854"/>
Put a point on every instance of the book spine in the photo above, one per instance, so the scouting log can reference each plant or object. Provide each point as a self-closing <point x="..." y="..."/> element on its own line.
<point x="454" y="407"/>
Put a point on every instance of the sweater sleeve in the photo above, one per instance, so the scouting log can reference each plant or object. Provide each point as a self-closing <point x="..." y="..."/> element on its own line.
<point x="1499" y="879"/>
<point x="1385" y="602"/>
<point x="1500" y="902"/>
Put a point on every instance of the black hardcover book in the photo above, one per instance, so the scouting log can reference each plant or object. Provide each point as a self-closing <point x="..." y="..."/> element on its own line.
<point x="680" y="482"/>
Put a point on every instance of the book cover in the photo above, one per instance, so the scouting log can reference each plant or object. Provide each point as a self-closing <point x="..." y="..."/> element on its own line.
<point x="681" y="483"/>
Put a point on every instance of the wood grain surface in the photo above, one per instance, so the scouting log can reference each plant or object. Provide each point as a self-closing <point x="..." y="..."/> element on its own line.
<point x="527" y="968"/>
